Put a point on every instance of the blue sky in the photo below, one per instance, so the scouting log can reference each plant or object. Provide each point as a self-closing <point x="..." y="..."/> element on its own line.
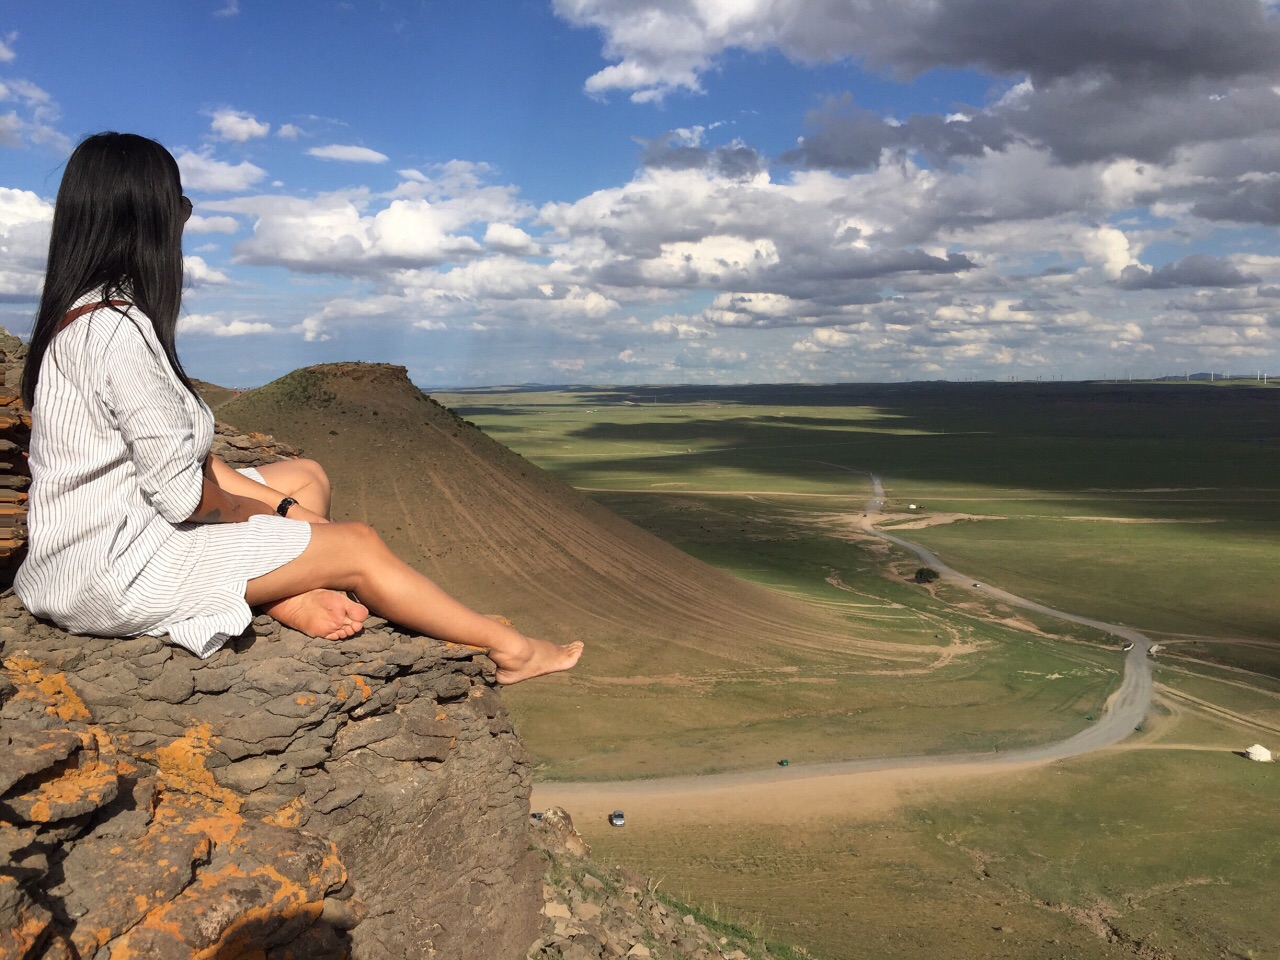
<point x="623" y="191"/>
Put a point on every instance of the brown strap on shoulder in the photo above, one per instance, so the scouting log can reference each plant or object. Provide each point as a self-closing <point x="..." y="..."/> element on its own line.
<point x="71" y="316"/>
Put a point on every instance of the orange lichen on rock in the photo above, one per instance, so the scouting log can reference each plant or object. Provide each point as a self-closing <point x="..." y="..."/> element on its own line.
<point x="79" y="790"/>
<point x="151" y="872"/>
<point x="67" y="705"/>
<point x="268" y="887"/>
<point x="196" y="815"/>
<point x="289" y="815"/>
<point x="62" y="701"/>
<point x="79" y="774"/>
<point x="32" y="920"/>
<point x="171" y="931"/>
<point x="353" y="686"/>
<point x="183" y="767"/>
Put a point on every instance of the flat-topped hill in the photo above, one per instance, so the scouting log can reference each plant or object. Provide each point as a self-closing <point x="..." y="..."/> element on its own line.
<point x="508" y="538"/>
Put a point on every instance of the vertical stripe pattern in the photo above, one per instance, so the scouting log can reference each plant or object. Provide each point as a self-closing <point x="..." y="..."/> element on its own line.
<point x="117" y="445"/>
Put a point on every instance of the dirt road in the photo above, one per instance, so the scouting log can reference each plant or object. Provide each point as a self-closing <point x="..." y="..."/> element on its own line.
<point x="1125" y="708"/>
<point x="802" y="791"/>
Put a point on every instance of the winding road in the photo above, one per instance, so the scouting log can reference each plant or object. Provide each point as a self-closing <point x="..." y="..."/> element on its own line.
<point x="1125" y="709"/>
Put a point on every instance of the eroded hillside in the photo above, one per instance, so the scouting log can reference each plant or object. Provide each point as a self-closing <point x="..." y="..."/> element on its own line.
<point x="503" y="534"/>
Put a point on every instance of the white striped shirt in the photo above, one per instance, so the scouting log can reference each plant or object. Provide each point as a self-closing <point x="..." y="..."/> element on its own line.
<point x="117" y="447"/>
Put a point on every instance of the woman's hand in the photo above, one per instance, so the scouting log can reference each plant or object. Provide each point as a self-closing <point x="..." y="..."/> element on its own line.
<point x="299" y="512"/>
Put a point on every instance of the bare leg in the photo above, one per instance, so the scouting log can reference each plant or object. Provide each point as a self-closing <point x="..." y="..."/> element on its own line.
<point x="351" y="556"/>
<point x="304" y="480"/>
<point x="320" y="612"/>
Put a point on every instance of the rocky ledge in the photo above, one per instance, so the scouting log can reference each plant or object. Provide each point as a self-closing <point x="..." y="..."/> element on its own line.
<point x="159" y="805"/>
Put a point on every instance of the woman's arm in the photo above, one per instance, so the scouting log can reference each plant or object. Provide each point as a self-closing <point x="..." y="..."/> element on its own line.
<point x="153" y="415"/>
<point x="230" y="497"/>
<point x="218" y="506"/>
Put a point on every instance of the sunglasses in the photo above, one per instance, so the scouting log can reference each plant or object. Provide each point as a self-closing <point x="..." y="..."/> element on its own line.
<point x="186" y="208"/>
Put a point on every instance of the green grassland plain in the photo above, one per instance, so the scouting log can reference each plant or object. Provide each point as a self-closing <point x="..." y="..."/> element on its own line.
<point x="1153" y="505"/>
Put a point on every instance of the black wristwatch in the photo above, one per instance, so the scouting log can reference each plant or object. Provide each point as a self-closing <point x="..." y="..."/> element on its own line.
<point x="285" y="504"/>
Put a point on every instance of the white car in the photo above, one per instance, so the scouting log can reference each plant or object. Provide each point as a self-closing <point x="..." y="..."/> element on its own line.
<point x="616" y="819"/>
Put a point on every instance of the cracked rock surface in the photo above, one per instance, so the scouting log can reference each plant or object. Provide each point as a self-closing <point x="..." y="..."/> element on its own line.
<point x="300" y="796"/>
<point x="15" y="433"/>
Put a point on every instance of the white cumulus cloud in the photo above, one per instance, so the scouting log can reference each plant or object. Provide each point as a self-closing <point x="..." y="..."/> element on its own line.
<point x="199" y="224"/>
<point x="24" y="242"/>
<point x="349" y="153"/>
<point x="203" y="172"/>
<point x="207" y="324"/>
<point x="197" y="273"/>
<point x="507" y="238"/>
<point x="34" y="118"/>
<point x="237" y="126"/>
<point x="424" y="224"/>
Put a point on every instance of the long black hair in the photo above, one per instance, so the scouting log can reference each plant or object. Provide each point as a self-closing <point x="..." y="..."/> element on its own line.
<point x="117" y="226"/>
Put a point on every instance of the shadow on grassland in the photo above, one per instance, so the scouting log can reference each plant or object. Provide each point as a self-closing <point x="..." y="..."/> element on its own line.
<point x="1047" y="437"/>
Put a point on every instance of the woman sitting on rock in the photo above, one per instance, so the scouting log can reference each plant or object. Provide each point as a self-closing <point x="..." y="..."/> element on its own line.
<point x="133" y="526"/>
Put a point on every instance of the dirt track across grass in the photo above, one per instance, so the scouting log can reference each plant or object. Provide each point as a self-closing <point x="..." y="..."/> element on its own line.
<point x="809" y="790"/>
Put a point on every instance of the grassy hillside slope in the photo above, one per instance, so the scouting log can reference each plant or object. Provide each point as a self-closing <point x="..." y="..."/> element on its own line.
<point x="507" y="537"/>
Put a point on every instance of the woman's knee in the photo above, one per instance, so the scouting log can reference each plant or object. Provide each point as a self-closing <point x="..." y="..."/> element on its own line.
<point x="361" y="538"/>
<point x="295" y="476"/>
<point x="358" y="549"/>
<point x="315" y="474"/>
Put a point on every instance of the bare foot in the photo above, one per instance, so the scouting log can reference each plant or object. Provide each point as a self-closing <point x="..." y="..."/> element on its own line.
<point x="320" y="613"/>
<point x="538" y="658"/>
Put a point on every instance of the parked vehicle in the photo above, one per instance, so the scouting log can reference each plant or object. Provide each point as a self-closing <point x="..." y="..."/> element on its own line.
<point x="617" y="819"/>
